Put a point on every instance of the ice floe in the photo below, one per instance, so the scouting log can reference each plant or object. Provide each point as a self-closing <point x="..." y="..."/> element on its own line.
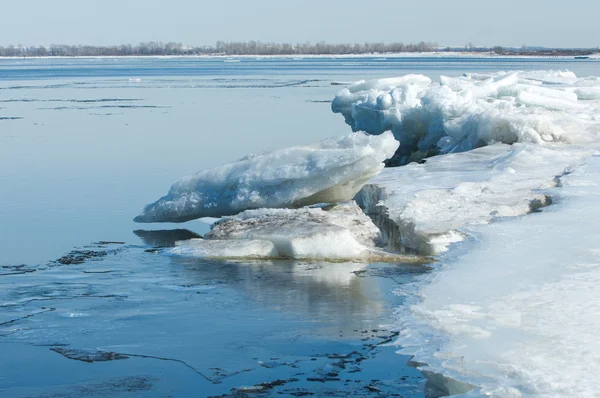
<point x="340" y="233"/>
<point x="425" y="207"/>
<point x="331" y="171"/>
<point x="461" y="113"/>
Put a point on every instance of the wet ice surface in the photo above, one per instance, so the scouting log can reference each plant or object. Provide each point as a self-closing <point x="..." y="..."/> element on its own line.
<point x="515" y="312"/>
<point x="127" y="319"/>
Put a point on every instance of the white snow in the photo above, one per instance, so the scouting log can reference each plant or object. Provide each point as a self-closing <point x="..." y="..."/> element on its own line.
<point x="517" y="312"/>
<point x="461" y="113"/>
<point x="331" y="171"/>
<point x="424" y="207"/>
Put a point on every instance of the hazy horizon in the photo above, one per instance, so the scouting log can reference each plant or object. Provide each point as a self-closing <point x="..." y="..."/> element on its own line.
<point x="112" y="22"/>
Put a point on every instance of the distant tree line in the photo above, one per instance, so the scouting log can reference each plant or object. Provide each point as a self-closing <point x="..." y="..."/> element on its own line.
<point x="221" y="48"/>
<point x="524" y="50"/>
<point x="320" y="48"/>
<point x="269" y="48"/>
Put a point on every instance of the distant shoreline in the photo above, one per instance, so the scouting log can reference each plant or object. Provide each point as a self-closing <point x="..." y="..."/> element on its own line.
<point x="433" y="54"/>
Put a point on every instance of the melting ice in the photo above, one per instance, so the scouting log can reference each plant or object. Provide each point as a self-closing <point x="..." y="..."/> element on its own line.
<point x="461" y="113"/>
<point x="518" y="313"/>
<point x="514" y="310"/>
<point x="339" y="233"/>
<point x="331" y="171"/>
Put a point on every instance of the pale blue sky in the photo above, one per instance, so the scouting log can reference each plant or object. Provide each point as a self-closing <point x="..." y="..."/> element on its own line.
<point x="508" y="22"/>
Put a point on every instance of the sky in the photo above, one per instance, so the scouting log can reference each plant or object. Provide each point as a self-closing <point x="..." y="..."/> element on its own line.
<point x="449" y="23"/>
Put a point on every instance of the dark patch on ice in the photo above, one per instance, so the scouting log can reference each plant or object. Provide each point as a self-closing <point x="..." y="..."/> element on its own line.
<point x="276" y="364"/>
<point x="298" y="392"/>
<point x="257" y="389"/>
<point x="108" y="271"/>
<point x="10" y="117"/>
<point x="20" y="269"/>
<point x="105" y="100"/>
<point x="165" y="237"/>
<point x="88" y="355"/>
<point x="536" y="205"/>
<point x="319" y="101"/>
<point x="21" y="100"/>
<point x="83" y="101"/>
<point x="80" y="256"/>
<point x="104" y="114"/>
<point x="60" y="108"/>
<point x="439" y="385"/>
<point x="303" y="83"/>
<point x="558" y="179"/>
<point x="322" y="379"/>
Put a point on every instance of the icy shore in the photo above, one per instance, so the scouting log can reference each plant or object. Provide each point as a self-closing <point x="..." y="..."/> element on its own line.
<point x="512" y="310"/>
<point x="423" y="208"/>
<point x="515" y="313"/>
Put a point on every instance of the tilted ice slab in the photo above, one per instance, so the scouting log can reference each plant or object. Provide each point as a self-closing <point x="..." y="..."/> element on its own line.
<point x="331" y="171"/>
<point x="425" y="207"/>
<point x="461" y="113"/>
<point x="518" y="313"/>
<point x="340" y="233"/>
<point x="250" y="249"/>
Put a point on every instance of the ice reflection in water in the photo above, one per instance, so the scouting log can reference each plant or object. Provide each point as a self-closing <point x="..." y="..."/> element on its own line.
<point x="208" y="314"/>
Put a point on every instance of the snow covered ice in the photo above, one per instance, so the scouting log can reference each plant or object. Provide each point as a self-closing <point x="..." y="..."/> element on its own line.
<point x="461" y="113"/>
<point x="340" y="233"/>
<point x="331" y="171"/>
<point x="424" y="207"/>
<point x="517" y="313"/>
<point x="512" y="311"/>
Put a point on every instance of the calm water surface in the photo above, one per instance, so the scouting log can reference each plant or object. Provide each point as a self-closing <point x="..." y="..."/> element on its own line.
<point x="85" y="143"/>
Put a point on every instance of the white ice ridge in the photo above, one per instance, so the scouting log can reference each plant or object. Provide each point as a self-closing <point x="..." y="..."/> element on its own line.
<point x="517" y="314"/>
<point x="331" y="171"/>
<point x="461" y="113"/>
<point x="425" y="207"/>
<point x="341" y="233"/>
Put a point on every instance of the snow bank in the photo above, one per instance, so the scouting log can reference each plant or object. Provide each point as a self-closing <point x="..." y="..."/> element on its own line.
<point x="461" y="113"/>
<point x="424" y="207"/>
<point x="340" y="233"/>
<point x="331" y="171"/>
<point x="516" y="313"/>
